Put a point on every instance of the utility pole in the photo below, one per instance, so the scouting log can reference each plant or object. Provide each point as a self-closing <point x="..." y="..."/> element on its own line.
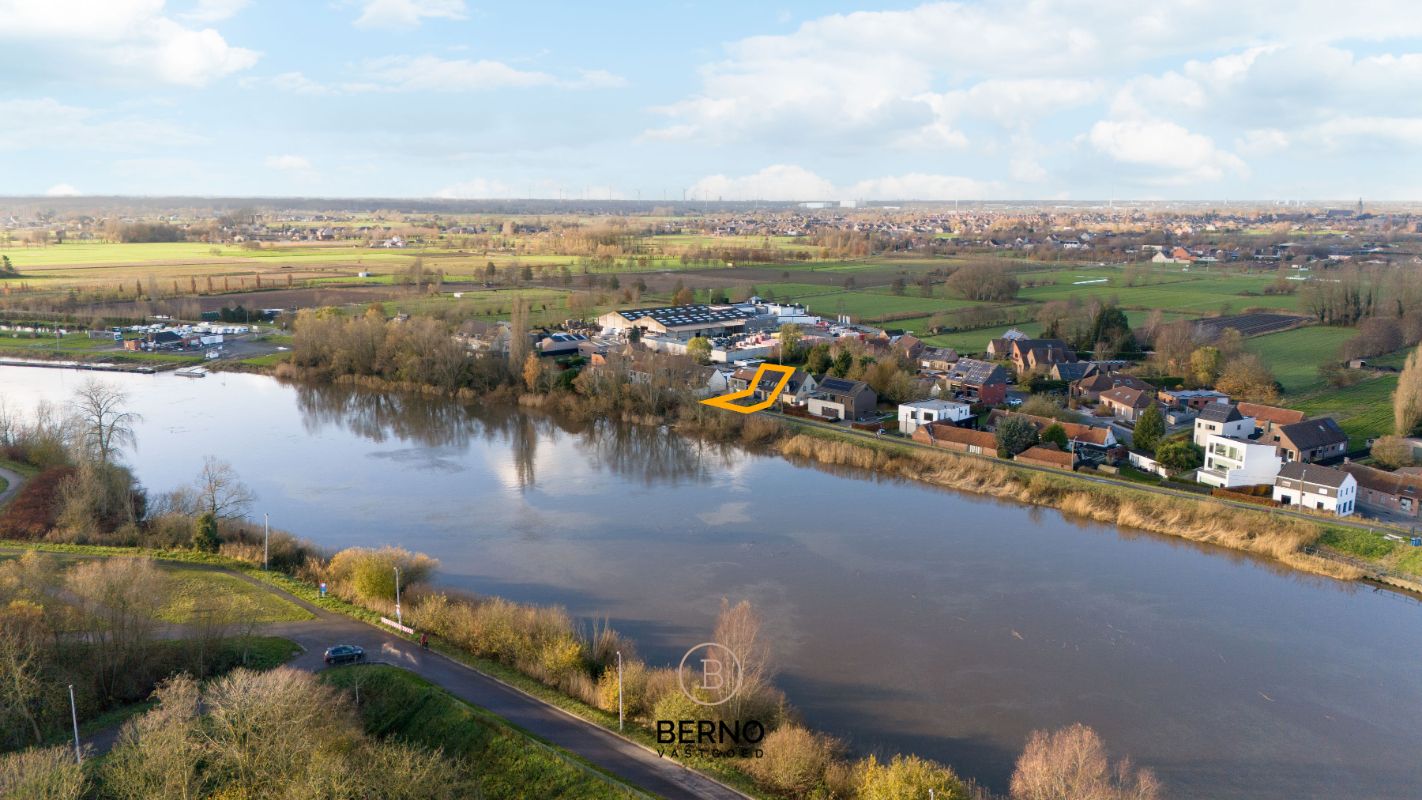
<point x="398" y="618"/>
<point x="74" y="715"/>
<point x="266" y="538"/>
<point x="619" y="691"/>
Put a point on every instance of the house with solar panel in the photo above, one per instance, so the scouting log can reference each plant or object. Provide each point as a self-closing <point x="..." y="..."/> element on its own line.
<point x="680" y="323"/>
<point x="840" y="398"/>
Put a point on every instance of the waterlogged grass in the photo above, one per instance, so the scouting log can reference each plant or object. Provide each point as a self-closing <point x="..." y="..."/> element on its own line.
<point x="191" y="591"/>
<point x="508" y="762"/>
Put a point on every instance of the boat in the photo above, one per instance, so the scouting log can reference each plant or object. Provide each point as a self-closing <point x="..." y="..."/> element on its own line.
<point x="191" y="372"/>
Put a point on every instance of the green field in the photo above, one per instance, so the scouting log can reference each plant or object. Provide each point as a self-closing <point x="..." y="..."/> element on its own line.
<point x="191" y="589"/>
<point x="1364" y="411"/>
<point x="1163" y="287"/>
<point x="1295" y="355"/>
<point x="508" y="763"/>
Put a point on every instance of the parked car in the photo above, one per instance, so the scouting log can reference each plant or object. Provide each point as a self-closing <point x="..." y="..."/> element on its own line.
<point x="344" y="654"/>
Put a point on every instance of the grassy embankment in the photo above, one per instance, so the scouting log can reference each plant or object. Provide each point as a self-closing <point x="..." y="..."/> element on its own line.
<point x="505" y="761"/>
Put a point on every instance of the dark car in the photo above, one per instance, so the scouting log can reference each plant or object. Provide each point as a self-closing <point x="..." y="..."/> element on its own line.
<point x="344" y="654"/>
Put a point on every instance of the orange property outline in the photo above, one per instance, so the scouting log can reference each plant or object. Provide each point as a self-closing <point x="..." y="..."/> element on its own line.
<point x="727" y="401"/>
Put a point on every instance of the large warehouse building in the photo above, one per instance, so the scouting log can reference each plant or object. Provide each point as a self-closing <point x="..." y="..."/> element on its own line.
<point x="679" y="322"/>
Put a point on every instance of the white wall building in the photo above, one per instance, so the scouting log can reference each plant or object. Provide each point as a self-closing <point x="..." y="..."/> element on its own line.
<point x="912" y="415"/>
<point x="1222" y="419"/>
<point x="1234" y="462"/>
<point x="1315" y="487"/>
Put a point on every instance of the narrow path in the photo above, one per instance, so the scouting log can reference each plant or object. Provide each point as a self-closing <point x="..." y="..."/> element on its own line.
<point x="13" y="480"/>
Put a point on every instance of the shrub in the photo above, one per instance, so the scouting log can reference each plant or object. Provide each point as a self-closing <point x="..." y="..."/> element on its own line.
<point x="42" y="774"/>
<point x="365" y="575"/>
<point x="205" y="533"/>
<point x="635" y="699"/>
<point x="1071" y="763"/>
<point x="905" y="776"/>
<point x="794" y="762"/>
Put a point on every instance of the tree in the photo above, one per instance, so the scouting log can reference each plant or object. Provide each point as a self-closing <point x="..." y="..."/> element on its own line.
<point x="738" y="629"/>
<point x="1178" y="455"/>
<point x="818" y="361"/>
<point x="219" y="491"/>
<point x="22" y="652"/>
<point x="843" y="362"/>
<point x="1246" y="377"/>
<point x="1014" y="435"/>
<point x="1057" y="435"/>
<point x="105" y="426"/>
<point x="1407" y="397"/>
<point x="1392" y="452"/>
<point x="683" y="297"/>
<point x="1111" y="332"/>
<point x="205" y="533"/>
<point x="699" y="348"/>
<point x="1071" y="764"/>
<point x="983" y="281"/>
<point x="789" y="337"/>
<point x="43" y="774"/>
<point x="1150" y="429"/>
<point x="1205" y="365"/>
<point x="533" y="372"/>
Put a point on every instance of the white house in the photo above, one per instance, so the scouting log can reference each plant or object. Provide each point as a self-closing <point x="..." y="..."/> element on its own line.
<point x="1222" y="419"/>
<point x="1236" y="462"/>
<point x="912" y="415"/>
<point x="1312" y="486"/>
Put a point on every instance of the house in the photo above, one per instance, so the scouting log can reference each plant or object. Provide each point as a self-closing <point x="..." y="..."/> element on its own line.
<point x="1001" y="347"/>
<point x="1268" y="419"/>
<point x="1316" y="487"/>
<point x="714" y="381"/>
<point x="938" y="358"/>
<point x="908" y="346"/>
<point x="1127" y="403"/>
<point x="978" y="381"/>
<point x="1046" y="456"/>
<point x="1386" y="493"/>
<point x="1091" y="387"/>
<point x="1192" y="399"/>
<point x="1221" y="419"/>
<point x="1039" y="354"/>
<point x="797" y="389"/>
<point x="681" y="323"/>
<point x="839" y="398"/>
<point x="914" y="415"/>
<point x="950" y="437"/>
<point x="1311" y="440"/>
<point x="1145" y="463"/>
<point x="1230" y="463"/>
<point x="1072" y="371"/>
<point x="1078" y="433"/>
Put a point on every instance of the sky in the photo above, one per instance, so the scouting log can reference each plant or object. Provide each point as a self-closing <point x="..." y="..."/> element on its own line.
<point x="993" y="99"/>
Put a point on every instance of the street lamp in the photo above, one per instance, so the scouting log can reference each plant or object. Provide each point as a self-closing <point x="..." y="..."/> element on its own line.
<point x="74" y="715"/>
<point x="266" y="538"/>
<point x="398" y="619"/>
<point x="619" y="691"/>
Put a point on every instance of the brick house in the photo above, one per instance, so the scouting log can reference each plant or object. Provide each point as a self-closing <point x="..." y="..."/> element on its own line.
<point x="951" y="437"/>
<point x="1309" y="441"/>
<point x="1388" y="493"/>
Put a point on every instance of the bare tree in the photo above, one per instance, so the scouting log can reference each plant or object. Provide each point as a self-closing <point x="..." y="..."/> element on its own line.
<point x="220" y="492"/>
<point x="1071" y="764"/>
<point x="105" y="426"/>
<point x="738" y="629"/>
<point x="1407" y="398"/>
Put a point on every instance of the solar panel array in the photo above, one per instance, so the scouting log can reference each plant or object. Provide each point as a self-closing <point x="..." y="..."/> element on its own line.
<point x="678" y="316"/>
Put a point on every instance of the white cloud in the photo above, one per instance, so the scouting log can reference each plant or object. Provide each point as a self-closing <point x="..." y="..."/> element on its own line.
<point x="297" y="83"/>
<point x="1177" y="155"/>
<point x="434" y="74"/>
<point x="45" y="123"/>
<point x="288" y="163"/>
<point x="119" y="41"/>
<point x="596" y="79"/>
<point x="205" y="11"/>
<point x="476" y="189"/>
<point x="1262" y="142"/>
<point x="790" y="182"/>
<point x="407" y="14"/>
<point x="62" y="190"/>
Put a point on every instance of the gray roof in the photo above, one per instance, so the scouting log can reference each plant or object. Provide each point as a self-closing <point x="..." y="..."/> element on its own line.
<point x="1220" y="412"/>
<point x="678" y="316"/>
<point x="840" y="386"/>
<point x="1313" y="433"/>
<point x="1313" y="473"/>
<point x="974" y="371"/>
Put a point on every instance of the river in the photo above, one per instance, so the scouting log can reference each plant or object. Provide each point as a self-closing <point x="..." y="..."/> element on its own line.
<point x="903" y="617"/>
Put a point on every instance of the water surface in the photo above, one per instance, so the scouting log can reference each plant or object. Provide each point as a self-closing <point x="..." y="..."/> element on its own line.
<point x="904" y="618"/>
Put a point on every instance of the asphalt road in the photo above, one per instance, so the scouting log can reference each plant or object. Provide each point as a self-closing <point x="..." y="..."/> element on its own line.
<point x="12" y="484"/>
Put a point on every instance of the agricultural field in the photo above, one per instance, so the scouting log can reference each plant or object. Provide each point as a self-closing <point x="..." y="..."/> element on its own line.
<point x="1295" y="355"/>
<point x="1364" y="410"/>
<point x="1198" y="293"/>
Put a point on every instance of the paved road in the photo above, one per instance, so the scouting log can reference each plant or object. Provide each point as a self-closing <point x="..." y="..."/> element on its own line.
<point x="12" y="484"/>
<point x="627" y="760"/>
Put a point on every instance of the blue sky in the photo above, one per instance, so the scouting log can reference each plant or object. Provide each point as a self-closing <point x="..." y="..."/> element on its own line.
<point x="1032" y="99"/>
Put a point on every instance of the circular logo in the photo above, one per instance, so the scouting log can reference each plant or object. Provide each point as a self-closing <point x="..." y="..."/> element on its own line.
<point x="714" y="669"/>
